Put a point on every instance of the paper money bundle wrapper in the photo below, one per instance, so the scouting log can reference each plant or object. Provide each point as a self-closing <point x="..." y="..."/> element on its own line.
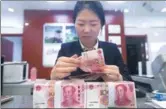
<point x="80" y="94"/>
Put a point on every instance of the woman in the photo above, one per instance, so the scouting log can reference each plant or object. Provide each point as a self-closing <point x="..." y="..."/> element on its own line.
<point x="89" y="18"/>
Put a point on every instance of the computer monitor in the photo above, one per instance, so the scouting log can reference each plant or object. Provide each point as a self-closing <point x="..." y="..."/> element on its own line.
<point x="159" y="71"/>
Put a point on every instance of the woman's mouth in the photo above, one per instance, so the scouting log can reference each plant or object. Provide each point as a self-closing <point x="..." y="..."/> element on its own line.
<point x="86" y="36"/>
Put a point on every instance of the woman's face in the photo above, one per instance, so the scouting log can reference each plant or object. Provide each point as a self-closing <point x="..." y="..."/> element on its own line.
<point x="88" y="26"/>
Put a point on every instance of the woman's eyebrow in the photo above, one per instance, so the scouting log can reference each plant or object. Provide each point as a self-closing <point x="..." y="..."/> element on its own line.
<point x="94" y="21"/>
<point x="89" y="20"/>
<point x="81" y="20"/>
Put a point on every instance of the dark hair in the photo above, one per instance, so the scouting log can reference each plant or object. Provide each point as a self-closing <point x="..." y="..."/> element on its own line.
<point x="95" y="6"/>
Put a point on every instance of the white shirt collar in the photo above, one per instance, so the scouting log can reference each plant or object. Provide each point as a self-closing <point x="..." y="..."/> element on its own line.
<point x="95" y="47"/>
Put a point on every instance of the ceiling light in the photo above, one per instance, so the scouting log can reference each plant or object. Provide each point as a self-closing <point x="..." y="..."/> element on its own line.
<point x="116" y="1"/>
<point x="163" y="10"/>
<point x="126" y="10"/>
<point x="56" y="1"/>
<point x="10" y="9"/>
<point x="26" y="24"/>
<point x="156" y="34"/>
<point x="144" y="25"/>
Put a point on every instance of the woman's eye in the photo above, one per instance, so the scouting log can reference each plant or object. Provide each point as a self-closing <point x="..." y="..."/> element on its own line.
<point x="81" y="24"/>
<point x="93" y="24"/>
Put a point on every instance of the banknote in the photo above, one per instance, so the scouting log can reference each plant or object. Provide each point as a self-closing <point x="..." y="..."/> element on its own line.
<point x="96" y="95"/>
<point x="40" y="95"/>
<point x="84" y="65"/>
<point x="122" y="95"/>
<point x="72" y="94"/>
<point x="91" y="61"/>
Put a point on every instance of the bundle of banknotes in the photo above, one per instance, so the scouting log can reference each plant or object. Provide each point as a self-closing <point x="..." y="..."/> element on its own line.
<point x="91" y="61"/>
<point x="79" y="94"/>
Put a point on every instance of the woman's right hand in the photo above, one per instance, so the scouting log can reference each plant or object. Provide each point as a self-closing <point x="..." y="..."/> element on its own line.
<point x="64" y="67"/>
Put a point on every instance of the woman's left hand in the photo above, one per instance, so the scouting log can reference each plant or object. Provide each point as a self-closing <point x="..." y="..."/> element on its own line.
<point x="111" y="73"/>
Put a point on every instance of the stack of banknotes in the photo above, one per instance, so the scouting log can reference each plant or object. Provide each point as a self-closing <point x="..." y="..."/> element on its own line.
<point x="76" y="93"/>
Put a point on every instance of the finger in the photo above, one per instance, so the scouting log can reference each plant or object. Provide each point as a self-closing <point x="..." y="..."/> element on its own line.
<point x="64" y="64"/>
<point x="53" y="70"/>
<point x="111" y="71"/>
<point x="62" y="72"/>
<point x="79" y="58"/>
<point x="62" y="75"/>
<point x="69" y="60"/>
<point x="74" y="56"/>
<point x="114" y="67"/>
<point x="53" y="73"/>
<point x="112" y="77"/>
<point x="65" y="69"/>
<point x="110" y="68"/>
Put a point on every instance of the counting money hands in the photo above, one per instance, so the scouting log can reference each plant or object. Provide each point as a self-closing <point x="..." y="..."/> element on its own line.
<point x="91" y="61"/>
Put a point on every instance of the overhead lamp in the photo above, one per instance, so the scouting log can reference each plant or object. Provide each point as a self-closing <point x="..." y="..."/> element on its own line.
<point x="156" y="34"/>
<point x="56" y="1"/>
<point x="10" y="9"/>
<point x="26" y="24"/>
<point x="126" y="10"/>
<point x="163" y="10"/>
<point x="119" y="2"/>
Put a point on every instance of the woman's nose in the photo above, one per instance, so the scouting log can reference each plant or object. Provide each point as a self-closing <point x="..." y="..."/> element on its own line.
<point x="87" y="29"/>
